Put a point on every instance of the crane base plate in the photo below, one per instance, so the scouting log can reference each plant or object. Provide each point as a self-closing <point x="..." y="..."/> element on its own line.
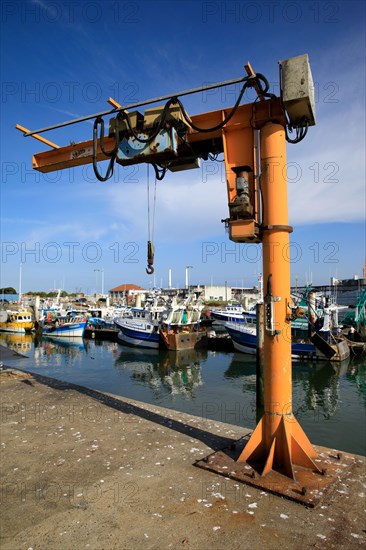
<point x="309" y="487"/>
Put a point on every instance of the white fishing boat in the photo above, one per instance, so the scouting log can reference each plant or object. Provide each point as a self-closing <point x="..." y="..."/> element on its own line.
<point x="64" y="326"/>
<point x="231" y="313"/>
<point x="320" y="344"/>
<point x="244" y="337"/>
<point x="140" y="326"/>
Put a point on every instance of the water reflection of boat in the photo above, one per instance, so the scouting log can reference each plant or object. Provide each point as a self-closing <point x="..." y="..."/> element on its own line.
<point x="321" y="388"/>
<point x="181" y="358"/>
<point x="320" y="383"/>
<point x="62" y="343"/>
<point x="173" y="372"/>
<point x="22" y="343"/>
<point x="356" y="373"/>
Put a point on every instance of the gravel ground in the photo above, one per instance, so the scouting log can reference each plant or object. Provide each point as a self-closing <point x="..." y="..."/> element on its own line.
<point x="81" y="469"/>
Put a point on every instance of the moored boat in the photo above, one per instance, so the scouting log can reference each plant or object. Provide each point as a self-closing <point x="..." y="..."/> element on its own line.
<point x="16" y="321"/>
<point x="305" y="344"/>
<point x="244" y="337"/>
<point x="182" y="328"/>
<point x="65" y="326"/>
<point x="140" y="326"/>
<point x="232" y="313"/>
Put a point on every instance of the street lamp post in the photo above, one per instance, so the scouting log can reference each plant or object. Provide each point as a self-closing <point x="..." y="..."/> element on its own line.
<point x="188" y="267"/>
<point x="96" y="281"/>
<point x="102" y="281"/>
<point x="20" y="283"/>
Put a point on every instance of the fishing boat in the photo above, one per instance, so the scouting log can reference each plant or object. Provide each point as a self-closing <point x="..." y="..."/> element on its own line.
<point x="64" y="326"/>
<point x="232" y="313"/>
<point x="103" y="317"/>
<point x="140" y="326"/>
<point x="101" y="328"/>
<point x="244" y="337"/>
<point x="182" y="328"/>
<point x="16" y="321"/>
<point x="322" y="344"/>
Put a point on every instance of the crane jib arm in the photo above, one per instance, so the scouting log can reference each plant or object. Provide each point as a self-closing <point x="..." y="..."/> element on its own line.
<point x="81" y="153"/>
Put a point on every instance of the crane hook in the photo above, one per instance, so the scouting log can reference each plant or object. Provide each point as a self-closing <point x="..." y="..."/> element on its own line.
<point x="150" y="258"/>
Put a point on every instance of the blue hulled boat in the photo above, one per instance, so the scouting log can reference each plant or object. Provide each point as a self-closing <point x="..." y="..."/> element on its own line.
<point x="140" y="327"/>
<point x="244" y="337"/>
<point x="65" y="326"/>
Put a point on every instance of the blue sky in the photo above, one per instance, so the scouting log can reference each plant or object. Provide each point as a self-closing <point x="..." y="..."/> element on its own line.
<point x="62" y="60"/>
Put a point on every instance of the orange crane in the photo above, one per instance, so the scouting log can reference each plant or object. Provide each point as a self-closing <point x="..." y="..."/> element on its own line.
<point x="253" y="139"/>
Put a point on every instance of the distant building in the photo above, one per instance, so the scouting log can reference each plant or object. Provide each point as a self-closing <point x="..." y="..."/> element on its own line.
<point x="126" y="293"/>
<point x="217" y="293"/>
<point x="225" y="293"/>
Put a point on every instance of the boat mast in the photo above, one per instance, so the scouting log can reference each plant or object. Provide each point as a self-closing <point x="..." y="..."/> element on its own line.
<point x="20" y="282"/>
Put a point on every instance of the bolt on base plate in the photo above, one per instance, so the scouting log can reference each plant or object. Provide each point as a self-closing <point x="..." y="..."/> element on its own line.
<point x="308" y="488"/>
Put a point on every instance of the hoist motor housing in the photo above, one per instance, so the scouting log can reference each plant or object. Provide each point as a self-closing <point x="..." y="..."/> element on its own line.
<point x="163" y="148"/>
<point x="168" y="148"/>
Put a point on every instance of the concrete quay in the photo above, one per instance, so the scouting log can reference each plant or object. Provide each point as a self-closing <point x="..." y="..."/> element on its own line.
<point x="83" y="469"/>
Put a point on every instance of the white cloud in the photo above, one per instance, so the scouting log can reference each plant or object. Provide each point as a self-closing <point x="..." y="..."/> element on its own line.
<point x="331" y="166"/>
<point x="186" y="208"/>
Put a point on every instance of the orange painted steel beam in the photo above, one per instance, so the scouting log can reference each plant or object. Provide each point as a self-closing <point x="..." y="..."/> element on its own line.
<point x="69" y="156"/>
<point x="256" y="114"/>
<point x="114" y="103"/>
<point x="278" y="442"/>
<point x="250" y="72"/>
<point x="37" y="136"/>
<point x="238" y="150"/>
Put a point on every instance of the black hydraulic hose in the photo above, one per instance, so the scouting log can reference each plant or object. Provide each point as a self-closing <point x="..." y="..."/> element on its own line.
<point x="159" y="174"/>
<point x="109" y="172"/>
<point x="112" y="154"/>
<point x="100" y="121"/>
<point x="157" y="129"/>
<point x="218" y="126"/>
<point x="250" y="81"/>
<point x="259" y="77"/>
<point x="300" y="132"/>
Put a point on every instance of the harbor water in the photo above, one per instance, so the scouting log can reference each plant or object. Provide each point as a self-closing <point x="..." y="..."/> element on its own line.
<point x="329" y="400"/>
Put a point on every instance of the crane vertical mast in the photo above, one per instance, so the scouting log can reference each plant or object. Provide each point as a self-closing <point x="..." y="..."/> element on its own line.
<point x="278" y="441"/>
